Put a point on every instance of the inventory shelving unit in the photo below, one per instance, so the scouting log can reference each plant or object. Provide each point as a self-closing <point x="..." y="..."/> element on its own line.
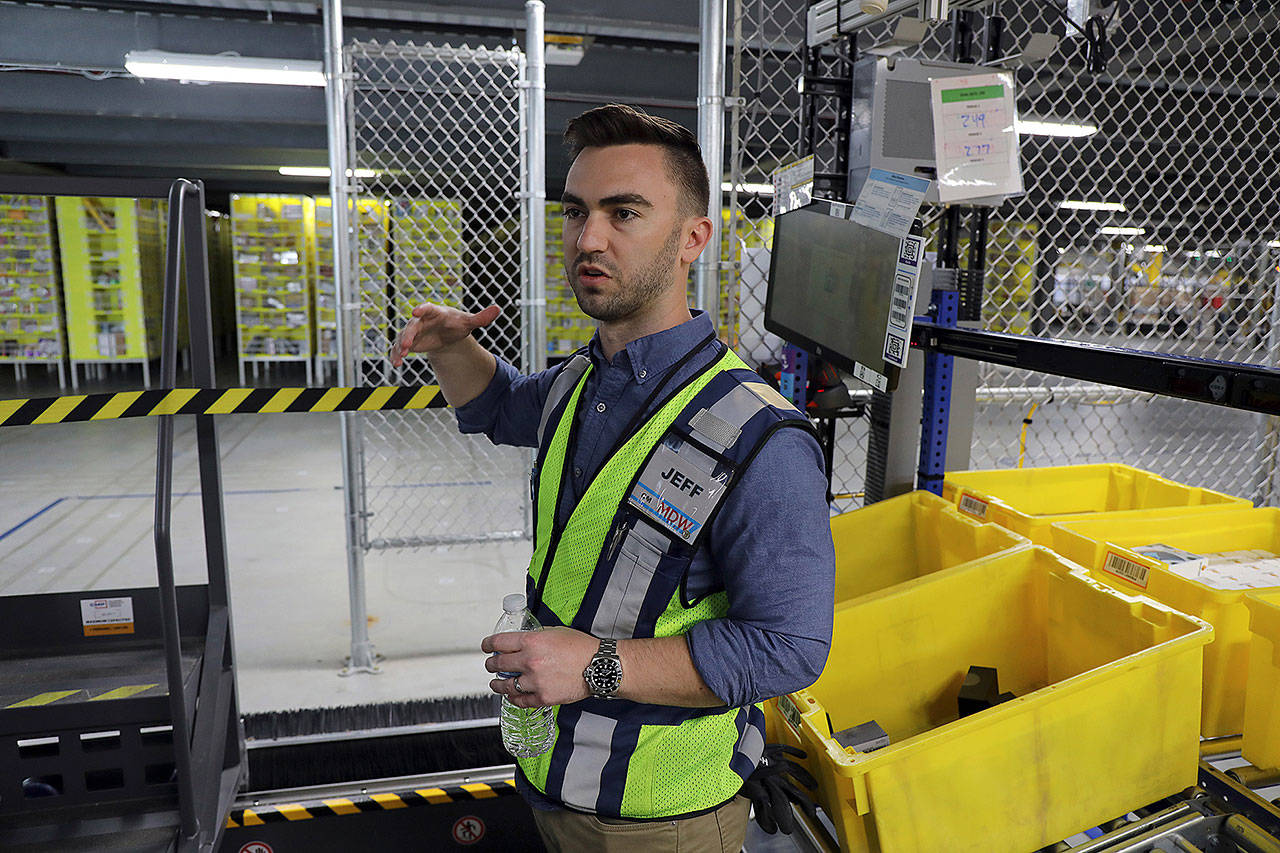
<point x="568" y="328"/>
<point x="112" y="271"/>
<point x="371" y="257"/>
<point x="427" y="245"/>
<point x="31" y="326"/>
<point x="271" y="253"/>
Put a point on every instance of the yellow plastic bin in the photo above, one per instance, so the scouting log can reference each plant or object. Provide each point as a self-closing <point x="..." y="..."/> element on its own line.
<point x="1103" y="545"/>
<point x="1105" y="719"/>
<point x="907" y="537"/>
<point x="1262" y="698"/>
<point x="1028" y="500"/>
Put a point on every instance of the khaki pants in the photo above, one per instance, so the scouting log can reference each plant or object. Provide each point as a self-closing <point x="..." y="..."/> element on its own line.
<point x="720" y="831"/>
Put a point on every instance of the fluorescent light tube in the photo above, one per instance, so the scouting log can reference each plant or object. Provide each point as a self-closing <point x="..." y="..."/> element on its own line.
<point x="1121" y="230"/>
<point x="1273" y="244"/>
<point x="1213" y="253"/>
<point x="163" y="65"/>
<point x="1093" y="205"/>
<point x="1037" y="127"/>
<point x="752" y="189"/>
<point x="322" y="172"/>
<point x="1157" y="248"/>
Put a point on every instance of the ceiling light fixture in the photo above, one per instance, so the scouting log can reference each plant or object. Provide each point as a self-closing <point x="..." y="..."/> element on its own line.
<point x="1121" y="231"/>
<point x="1093" y="205"/>
<point x="1273" y="244"/>
<point x="322" y="172"/>
<point x="163" y="65"/>
<point x="1039" y="127"/>
<point x="1213" y="253"/>
<point x="749" y="189"/>
<point x="1156" y="248"/>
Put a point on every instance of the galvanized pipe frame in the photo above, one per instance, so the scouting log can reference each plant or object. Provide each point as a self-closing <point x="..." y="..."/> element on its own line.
<point x="347" y="317"/>
<point x="711" y="50"/>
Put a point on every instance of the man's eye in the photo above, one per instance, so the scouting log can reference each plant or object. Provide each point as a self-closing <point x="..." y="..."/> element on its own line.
<point x="571" y="213"/>
<point x="625" y="214"/>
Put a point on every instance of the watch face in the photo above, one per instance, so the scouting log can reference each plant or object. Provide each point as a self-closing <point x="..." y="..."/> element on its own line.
<point x="604" y="675"/>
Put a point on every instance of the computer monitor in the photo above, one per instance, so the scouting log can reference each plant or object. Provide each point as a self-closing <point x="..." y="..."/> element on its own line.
<point x="831" y="288"/>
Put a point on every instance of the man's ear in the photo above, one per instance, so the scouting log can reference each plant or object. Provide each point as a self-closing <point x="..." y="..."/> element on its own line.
<point x="697" y="233"/>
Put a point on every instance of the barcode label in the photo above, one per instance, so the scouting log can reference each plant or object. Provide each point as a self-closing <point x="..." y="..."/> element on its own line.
<point x="900" y="307"/>
<point x="1129" y="570"/>
<point x="790" y="712"/>
<point x="973" y="506"/>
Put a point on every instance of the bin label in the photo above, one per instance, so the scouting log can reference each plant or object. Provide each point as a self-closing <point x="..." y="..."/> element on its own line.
<point x="976" y="507"/>
<point x="790" y="713"/>
<point x="1130" y="570"/>
<point x="101" y="616"/>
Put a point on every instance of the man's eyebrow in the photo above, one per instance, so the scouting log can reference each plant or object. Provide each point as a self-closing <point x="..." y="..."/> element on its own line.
<point x="610" y="201"/>
<point x="625" y="198"/>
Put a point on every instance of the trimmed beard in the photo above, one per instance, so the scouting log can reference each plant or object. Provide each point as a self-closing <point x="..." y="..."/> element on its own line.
<point x="630" y="295"/>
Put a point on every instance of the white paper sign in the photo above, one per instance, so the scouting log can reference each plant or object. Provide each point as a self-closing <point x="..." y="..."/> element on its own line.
<point x="975" y="136"/>
<point x="793" y="185"/>
<point x="889" y="201"/>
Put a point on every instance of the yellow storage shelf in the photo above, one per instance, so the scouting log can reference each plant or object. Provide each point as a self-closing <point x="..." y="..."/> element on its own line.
<point x="1103" y="546"/>
<point x="902" y="539"/>
<point x="1029" y="500"/>
<point x="1262" y="699"/>
<point x="1107" y="689"/>
<point x="31" y="328"/>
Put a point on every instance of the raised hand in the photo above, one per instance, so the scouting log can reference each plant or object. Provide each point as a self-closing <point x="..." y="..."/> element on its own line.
<point x="437" y="327"/>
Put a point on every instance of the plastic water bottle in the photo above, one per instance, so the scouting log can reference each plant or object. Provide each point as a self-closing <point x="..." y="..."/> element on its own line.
<point x="526" y="732"/>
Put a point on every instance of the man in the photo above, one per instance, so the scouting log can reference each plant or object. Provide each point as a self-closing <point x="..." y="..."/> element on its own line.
<point x="683" y="564"/>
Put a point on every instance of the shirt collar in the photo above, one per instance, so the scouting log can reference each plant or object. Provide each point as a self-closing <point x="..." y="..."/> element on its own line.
<point x="651" y="355"/>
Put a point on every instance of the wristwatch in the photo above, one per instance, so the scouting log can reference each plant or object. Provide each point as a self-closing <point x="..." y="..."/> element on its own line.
<point x="604" y="674"/>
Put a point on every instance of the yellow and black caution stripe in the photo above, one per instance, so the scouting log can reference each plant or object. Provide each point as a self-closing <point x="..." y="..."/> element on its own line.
<point x="216" y="401"/>
<point x="332" y="807"/>
<point x="70" y="697"/>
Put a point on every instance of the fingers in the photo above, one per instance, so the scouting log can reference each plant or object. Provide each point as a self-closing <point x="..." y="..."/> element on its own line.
<point x="507" y="642"/>
<point x="780" y="808"/>
<point x="506" y="687"/>
<point x="485" y="317"/>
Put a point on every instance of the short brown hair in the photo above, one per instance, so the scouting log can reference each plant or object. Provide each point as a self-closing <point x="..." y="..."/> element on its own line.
<point x="620" y="124"/>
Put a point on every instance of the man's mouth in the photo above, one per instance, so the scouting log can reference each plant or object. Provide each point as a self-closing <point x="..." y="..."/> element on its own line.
<point x="591" y="273"/>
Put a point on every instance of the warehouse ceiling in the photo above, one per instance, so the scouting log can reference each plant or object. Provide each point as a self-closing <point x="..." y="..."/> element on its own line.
<point x="67" y="106"/>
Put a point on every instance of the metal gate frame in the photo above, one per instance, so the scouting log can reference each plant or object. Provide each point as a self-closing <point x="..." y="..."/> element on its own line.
<point x="353" y="361"/>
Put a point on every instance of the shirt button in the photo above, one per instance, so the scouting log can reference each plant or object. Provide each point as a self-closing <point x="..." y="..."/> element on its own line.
<point x="577" y="472"/>
<point x="600" y="407"/>
<point x="643" y="373"/>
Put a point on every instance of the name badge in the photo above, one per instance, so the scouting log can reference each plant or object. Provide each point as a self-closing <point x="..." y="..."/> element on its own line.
<point x="676" y="493"/>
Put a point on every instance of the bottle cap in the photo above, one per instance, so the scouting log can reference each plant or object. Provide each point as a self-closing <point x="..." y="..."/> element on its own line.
<point x="513" y="603"/>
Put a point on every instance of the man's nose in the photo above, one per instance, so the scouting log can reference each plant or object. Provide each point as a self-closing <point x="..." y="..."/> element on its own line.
<point x="592" y="237"/>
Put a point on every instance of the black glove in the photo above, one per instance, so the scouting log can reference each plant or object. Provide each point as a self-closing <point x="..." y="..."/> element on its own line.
<point x="772" y="790"/>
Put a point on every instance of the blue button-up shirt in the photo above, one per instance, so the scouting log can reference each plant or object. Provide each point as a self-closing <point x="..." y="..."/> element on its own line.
<point x="770" y="546"/>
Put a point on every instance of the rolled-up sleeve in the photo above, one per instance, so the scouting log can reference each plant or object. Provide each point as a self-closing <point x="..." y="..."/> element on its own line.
<point x="509" y="408"/>
<point x="771" y="544"/>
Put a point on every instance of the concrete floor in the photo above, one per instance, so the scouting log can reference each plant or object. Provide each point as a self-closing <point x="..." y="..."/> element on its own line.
<point x="76" y="513"/>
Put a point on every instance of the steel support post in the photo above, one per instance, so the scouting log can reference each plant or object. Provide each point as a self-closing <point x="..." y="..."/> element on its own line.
<point x="711" y="48"/>
<point x="535" y="175"/>
<point x="348" y="323"/>
<point x="935" y="415"/>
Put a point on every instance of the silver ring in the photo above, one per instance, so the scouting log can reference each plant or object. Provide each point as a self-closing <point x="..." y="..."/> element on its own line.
<point x="515" y="682"/>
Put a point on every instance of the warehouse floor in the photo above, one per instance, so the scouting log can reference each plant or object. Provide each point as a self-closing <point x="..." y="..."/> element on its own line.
<point x="76" y="514"/>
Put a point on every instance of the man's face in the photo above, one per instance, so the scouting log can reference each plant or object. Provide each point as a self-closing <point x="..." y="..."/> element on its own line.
<point x="622" y="230"/>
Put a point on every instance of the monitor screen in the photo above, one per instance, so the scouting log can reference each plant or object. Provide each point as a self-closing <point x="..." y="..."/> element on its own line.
<point x="831" y="283"/>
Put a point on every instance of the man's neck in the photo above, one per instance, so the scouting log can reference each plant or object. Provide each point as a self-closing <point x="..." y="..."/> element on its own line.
<point x="614" y="336"/>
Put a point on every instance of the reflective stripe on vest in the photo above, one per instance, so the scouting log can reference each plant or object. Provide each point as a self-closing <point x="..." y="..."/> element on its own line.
<point x="619" y="758"/>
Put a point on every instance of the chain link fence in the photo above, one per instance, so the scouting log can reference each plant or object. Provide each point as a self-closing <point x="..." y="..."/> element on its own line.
<point x="436" y="146"/>
<point x="764" y="132"/>
<point x="1155" y="231"/>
